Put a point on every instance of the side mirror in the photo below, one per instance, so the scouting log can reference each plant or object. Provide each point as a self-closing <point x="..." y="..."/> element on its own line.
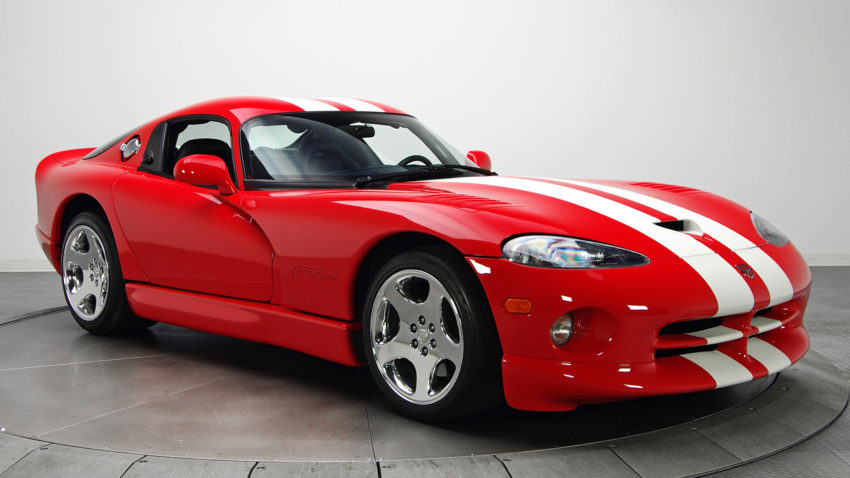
<point x="204" y="170"/>
<point x="480" y="158"/>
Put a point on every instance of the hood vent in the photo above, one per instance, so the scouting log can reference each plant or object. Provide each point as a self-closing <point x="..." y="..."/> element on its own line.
<point x="667" y="187"/>
<point x="681" y="225"/>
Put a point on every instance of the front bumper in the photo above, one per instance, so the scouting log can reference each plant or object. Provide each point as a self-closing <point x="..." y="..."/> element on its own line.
<point x="620" y="348"/>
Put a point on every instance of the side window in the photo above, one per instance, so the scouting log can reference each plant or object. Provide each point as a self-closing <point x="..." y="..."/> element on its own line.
<point x="185" y="137"/>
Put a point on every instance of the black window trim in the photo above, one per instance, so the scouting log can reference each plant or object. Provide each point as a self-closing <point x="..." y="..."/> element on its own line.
<point x="156" y="147"/>
<point x="160" y="147"/>
<point x="111" y="144"/>
<point x="276" y="185"/>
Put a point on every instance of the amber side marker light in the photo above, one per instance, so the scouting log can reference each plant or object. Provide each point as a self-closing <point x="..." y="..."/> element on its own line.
<point x="517" y="306"/>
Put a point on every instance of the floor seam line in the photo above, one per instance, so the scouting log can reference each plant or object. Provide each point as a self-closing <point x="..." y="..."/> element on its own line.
<point x="131" y="465"/>
<point x="816" y="437"/>
<point x="369" y="426"/>
<point x="15" y="319"/>
<point x="22" y="458"/>
<point x="368" y="421"/>
<point x="503" y="466"/>
<point x="810" y="438"/>
<point x="612" y="450"/>
<point x="158" y="397"/>
<point x="87" y="362"/>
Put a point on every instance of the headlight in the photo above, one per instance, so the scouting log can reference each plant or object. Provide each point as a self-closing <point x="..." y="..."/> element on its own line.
<point x="568" y="253"/>
<point x="768" y="231"/>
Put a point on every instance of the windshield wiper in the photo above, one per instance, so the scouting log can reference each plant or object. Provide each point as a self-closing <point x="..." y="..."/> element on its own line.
<point x="425" y="172"/>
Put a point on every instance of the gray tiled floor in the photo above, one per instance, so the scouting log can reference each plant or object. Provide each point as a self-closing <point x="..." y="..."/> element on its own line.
<point x="175" y="392"/>
<point x="60" y="461"/>
<point x="828" y="321"/>
<point x="24" y="292"/>
<point x="163" y="467"/>
<point x="228" y="389"/>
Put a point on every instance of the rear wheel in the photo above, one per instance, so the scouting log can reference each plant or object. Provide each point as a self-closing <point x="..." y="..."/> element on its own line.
<point x="92" y="279"/>
<point x="429" y="336"/>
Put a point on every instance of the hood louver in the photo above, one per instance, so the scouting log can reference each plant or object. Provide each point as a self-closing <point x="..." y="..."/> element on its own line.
<point x="681" y="225"/>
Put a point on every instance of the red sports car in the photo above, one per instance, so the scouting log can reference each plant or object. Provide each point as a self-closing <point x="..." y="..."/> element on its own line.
<point x="347" y="230"/>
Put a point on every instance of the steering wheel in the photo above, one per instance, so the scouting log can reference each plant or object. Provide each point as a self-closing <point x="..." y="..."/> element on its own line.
<point x="415" y="157"/>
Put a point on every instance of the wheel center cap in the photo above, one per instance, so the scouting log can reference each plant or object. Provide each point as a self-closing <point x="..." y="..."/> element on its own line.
<point x="423" y="334"/>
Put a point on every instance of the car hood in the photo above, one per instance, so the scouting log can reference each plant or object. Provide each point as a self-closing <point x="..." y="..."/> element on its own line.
<point x="657" y="220"/>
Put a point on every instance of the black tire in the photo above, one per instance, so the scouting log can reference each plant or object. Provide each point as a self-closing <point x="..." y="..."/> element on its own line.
<point x="453" y="390"/>
<point x="90" y="259"/>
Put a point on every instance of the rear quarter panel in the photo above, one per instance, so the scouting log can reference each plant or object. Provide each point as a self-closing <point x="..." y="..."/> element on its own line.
<point x="63" y="176"/>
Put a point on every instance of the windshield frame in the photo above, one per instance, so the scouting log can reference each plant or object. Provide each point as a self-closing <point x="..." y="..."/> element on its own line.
<point x="445" y="153"/>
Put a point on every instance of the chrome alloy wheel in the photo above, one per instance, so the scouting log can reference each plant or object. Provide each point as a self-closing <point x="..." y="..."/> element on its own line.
<point x="416" y="336"/>
<point x="85" y="272"/>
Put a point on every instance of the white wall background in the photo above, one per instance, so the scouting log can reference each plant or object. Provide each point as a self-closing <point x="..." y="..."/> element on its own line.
<point x="750" y="100"/>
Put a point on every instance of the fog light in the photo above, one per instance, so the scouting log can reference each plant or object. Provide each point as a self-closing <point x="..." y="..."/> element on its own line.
<point x="562" y="330"/>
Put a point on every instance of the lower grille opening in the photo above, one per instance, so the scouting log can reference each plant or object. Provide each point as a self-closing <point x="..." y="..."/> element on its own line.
<point x="690" y="326"/>
<point x="763" y="312"/>
<point x="685" y="350"/>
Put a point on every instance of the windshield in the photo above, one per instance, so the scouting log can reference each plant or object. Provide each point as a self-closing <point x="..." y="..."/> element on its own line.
<point x="338" y="146"/>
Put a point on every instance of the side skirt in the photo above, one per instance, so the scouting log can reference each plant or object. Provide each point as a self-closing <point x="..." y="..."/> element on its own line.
<point x="271" y="324"/>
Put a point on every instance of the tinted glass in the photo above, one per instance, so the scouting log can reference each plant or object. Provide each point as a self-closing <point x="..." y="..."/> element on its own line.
<point x="338" y="146"/>
<point x="197" y="135"/>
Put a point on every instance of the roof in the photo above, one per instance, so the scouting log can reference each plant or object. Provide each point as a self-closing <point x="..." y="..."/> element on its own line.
<point x="244" y="107"/>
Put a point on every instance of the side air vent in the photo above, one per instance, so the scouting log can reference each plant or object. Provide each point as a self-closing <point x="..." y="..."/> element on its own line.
<point x="681" y="225"/>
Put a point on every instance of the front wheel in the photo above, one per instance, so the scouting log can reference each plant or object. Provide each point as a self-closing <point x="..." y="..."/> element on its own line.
<point x="429" y="336"/>
<point x="92" y="279"/>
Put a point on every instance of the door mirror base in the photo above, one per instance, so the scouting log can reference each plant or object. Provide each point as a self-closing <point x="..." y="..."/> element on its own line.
<point x="204" y="170"/>
<point x="480" y="158"/>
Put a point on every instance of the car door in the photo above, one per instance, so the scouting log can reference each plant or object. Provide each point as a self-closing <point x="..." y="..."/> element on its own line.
<point x="188" y="237"/>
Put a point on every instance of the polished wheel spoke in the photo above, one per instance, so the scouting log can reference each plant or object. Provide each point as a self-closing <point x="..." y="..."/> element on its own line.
<point x="448" y="350"/>
<point x="407" y="309"/>
<point x="393" y="350"/>
<point x="80" y="251"/>
<point x="424" y="371"/>
<point x="87" y="288"/>
<point x="433" y="302"/>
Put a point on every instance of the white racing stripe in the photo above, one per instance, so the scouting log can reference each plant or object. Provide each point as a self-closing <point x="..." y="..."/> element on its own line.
<point x="778" y="285"/>
<point x="356" y="104"/>
<point x="723" y="369"/>
<point x="732" y="293"/>
<point x="763" y="324"/>
<point x="307" y="104"/>
<point x="771" y="357"/>
<point x="716" y="335"/>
